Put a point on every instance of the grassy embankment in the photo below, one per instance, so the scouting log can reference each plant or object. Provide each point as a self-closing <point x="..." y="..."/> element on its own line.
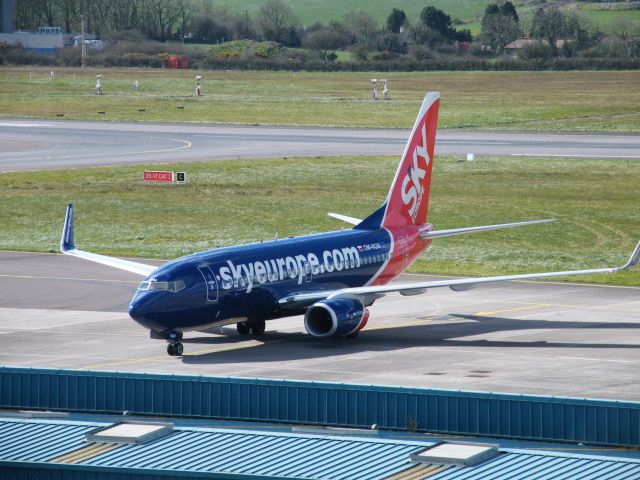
<point x="544" y="101"/>
<point x="230" y="202"/>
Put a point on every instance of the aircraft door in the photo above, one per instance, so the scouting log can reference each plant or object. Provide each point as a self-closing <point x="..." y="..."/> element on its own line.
<point x="211" y="283"/>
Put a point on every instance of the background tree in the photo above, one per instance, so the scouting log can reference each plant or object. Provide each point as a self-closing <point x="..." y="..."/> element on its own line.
<point x="624" y="30"/>
<point x="243" y="26"/>
<point x="163" y="15"/>
<point x="436" y="20"/>
<point x="363" y="26"/>
<point x="508" y="9"/>
<point x="326" y="41"/>
<point x="277" y="22"/>
<point x="500" y="26"/>
<point x="207" y="30"/>
<point x="124" y="15"/>
<point x="498" y="31"/>
<point x="549" y="25"/>
<point x="69" y="14"/>
<point x="391" y="42"/>
<point x="491" y="9"/>
<point x="396" y="20"/>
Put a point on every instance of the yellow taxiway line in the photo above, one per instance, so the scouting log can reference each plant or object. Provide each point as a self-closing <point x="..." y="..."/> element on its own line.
<point x="529" y="307"/>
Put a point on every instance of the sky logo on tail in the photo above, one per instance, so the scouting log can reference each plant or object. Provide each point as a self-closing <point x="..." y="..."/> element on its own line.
<point x="412" y="195"/>
<point x="408" y="198"/>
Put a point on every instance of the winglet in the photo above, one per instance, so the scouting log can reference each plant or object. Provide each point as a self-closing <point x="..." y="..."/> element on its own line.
<point x="633" y="259"/>
<point x="66" y="241"/>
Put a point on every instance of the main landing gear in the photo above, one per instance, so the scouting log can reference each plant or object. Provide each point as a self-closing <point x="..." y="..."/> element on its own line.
<point x="175" y="347"/>
<point x="257" y="327"/>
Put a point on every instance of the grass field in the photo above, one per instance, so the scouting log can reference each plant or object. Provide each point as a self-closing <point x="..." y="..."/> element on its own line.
<point x="229" y="202"/>
<point x="545" y="101"/>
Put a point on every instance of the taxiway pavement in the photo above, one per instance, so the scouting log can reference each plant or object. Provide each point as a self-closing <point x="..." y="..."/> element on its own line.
<point x="526" y="337"/>
<point x="37" y="145"/>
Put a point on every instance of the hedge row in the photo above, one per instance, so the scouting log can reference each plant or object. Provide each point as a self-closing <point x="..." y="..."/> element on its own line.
<point x="12" y="56"/>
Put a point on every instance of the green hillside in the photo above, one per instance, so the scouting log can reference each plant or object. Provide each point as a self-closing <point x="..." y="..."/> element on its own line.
<point x="309" y="11"/>
<point x="467" y="11"/>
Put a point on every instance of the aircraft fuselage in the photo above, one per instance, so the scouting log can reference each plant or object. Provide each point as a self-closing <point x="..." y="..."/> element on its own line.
<point x="246" y="282"/>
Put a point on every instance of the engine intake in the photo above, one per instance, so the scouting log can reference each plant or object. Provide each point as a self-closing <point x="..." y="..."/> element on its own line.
<point x="335" y="317"/>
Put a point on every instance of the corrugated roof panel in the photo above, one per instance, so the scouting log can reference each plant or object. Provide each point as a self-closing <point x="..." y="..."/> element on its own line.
<point x="88" y="451"/>
<point x="285" y="455"/>
<point x="264" y="454"/>
<point x="516" y="465"/>
<point x="22" y="441"/>
<point x="386" y="462"/>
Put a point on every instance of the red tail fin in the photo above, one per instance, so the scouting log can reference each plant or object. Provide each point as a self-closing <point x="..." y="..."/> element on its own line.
<point x="408" y="198"/>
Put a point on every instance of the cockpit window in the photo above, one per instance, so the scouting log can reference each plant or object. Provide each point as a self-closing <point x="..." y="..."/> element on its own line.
<point x="155" y="286"/>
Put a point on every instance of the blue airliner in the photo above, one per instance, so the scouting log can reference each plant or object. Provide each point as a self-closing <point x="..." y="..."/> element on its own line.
<point x="331" y="277"/>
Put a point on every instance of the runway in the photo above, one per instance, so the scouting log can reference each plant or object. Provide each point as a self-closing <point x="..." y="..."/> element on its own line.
<point x="533" y="337"/>
<point x="35" y="145"/>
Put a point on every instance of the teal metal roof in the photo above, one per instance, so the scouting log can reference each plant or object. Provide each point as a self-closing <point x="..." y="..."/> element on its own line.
<point x="203" y="450"/>
<point x="527" y="465"/>
<point x="222" y="453"/>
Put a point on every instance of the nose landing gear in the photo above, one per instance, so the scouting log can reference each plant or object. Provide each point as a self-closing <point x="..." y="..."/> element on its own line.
<point x="175" y="347"/>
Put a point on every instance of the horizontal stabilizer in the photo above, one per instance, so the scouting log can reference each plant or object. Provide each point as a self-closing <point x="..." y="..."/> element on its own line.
<point x="345" y="218"/>
<point x="460" y="231"/>
<point x="67" y="246"/>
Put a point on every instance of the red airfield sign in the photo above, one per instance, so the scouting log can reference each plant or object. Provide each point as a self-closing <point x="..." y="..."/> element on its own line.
<point x="158" y="176"/>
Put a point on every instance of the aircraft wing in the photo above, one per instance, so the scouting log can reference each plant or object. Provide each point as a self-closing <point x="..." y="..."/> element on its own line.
<point x="367" y="295"/>
<point x="68" y="247"/>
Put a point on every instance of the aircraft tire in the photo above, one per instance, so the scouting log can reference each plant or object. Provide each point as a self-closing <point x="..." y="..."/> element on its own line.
<point x="258" y="328"/>
<point x="243" y="328"/>
<point x="171" y="349"/>
<point x="178" y="349"/>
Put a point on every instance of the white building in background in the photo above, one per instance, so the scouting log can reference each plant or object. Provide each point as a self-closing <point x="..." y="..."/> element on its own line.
<point x="45" y="41"/>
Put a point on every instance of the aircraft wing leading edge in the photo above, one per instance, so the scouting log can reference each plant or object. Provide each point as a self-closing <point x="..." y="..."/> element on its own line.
<point x="68" y="247"/>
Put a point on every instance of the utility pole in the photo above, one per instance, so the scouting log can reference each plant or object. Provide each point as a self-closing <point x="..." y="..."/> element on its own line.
<point x="83" y="54"/>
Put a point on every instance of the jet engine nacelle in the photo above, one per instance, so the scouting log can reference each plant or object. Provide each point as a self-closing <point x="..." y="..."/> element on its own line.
<point x="335" y="317"/>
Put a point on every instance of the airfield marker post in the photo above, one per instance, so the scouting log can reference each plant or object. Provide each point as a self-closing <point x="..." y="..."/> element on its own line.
<point x="98" y="84"/>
